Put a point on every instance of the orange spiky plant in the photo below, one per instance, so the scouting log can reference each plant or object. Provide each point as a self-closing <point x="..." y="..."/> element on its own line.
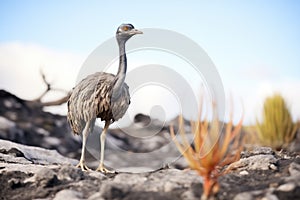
<point x="211" y="150"/>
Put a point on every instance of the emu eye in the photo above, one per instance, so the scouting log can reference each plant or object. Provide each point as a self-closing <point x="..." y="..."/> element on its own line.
<point x="125" y="28"/>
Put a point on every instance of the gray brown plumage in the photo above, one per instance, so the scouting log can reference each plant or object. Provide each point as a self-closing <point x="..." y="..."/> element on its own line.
<point x="91" y="99"/>
<point x="101" y="95"/>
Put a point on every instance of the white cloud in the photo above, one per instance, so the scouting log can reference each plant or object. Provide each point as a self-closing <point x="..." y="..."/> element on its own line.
<point x="258" y="71"/>
<point x="20" y="65"/>
<point x="288" y="88"/>
<point x="253" y="97"/>
<point x="19" y="73"/>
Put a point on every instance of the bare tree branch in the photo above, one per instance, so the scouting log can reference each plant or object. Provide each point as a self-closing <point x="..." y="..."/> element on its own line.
<point x="48" y="89"/>
<point x="57" y="102"/>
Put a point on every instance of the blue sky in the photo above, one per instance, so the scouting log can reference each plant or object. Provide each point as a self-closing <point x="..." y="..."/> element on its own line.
<point x="254" y="44"/>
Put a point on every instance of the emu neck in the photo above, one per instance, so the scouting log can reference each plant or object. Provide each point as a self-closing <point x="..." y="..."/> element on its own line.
<point x="120" y="77"/>
<point x="122" y="59"/>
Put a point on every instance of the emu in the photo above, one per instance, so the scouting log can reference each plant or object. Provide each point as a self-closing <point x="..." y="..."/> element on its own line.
<point x="101" y="95"/>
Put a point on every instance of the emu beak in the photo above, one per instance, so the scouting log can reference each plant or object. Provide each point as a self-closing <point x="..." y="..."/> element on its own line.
<point x="135" y="31"/>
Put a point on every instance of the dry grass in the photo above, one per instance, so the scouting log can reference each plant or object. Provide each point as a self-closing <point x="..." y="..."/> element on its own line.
<point x="250" y="136"/>
<point x="210" y="150"/>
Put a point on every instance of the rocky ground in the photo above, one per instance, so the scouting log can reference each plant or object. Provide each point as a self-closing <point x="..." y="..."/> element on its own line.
<point x="36" y="173"/>
<point x="38" y="153"/>
<point x="25" y="122"/>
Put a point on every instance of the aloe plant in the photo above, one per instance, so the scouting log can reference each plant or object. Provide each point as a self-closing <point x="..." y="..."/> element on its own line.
<point x="210" y="151"/>
<point x="276" y="129"/>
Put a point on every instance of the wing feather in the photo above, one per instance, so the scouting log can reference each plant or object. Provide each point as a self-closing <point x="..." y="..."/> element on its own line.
<point x="91" y="99"/>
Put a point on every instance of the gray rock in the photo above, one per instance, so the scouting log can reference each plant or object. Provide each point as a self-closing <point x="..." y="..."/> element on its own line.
<point x="25" y="168"/>
<point x="6" y="124"/>
<point x="95" y="174"/>
<point x="256" y="162"/>
<point x="130" y="179"/>
<point x="270" y="197"/>
<point x="160" y="183"/>
<point x="112" y="190"/>
<point x="244" y="196"/>
<point x="43" y="177"/>
<point x="64" y="181"/>
<point x="262" y="150"/>
<point x="13" y="159"/>
<point x="70" y="173"/>
<point x="189" y="195"/>
<point x="288" y="187"/>
<point x="174" y="179"/>
<point x="96" y="196"/>
<point x="52" y="141"/>
<point x="42" y="131"/>
<point x="68" y="194"/>
<point x="36" y="155"/>
<point x="294" y="145"/>
<point x="273" y="167"/>
<point x="294" y="169"/>
<point x="244" y="172"/>
<point x="26" y="122"/>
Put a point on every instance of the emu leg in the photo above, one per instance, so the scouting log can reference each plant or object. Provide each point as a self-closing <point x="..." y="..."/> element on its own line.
<point x="85" y="134"/>
<point x="101" y="167"/>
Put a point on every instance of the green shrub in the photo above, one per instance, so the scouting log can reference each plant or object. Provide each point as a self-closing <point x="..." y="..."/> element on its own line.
<point x="277" y="129"/>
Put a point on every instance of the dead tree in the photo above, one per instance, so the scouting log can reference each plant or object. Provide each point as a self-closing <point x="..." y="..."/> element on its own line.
<point x="38" y="101"/>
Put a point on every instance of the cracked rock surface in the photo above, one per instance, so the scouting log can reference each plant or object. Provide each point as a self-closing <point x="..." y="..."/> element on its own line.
<point x="46" y="174"/>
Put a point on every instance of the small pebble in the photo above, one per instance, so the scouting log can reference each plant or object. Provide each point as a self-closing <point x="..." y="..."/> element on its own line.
<point x="270" y="197"/>
<point x="294" y="169"/>
<point x="168" y="187"/>
<point x="272" y="166"/>
<point x="262" y="150"/>
<point x="288" y="187"/>
<point x="244" y="172"/>
<point x="68" y="194"/>
<point x="244" y="196"/>
<point x="273" y="185"/>
<point x="96" y="196"/>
